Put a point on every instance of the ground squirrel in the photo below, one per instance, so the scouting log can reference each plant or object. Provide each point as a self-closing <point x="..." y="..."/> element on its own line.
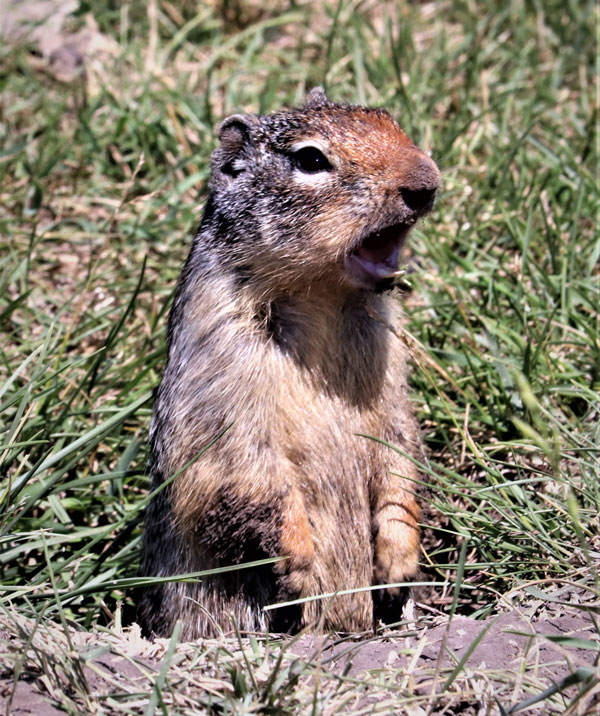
<point x="279" y="343"/>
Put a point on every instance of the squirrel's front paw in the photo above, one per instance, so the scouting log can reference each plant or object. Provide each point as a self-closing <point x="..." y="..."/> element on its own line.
<point x="396" y="553"/>
<point x="297" y="545"/>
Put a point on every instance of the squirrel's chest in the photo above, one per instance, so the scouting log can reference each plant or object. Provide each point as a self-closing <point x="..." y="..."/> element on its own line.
<point x="323" y="412"/>
<point x="336" y="358"/>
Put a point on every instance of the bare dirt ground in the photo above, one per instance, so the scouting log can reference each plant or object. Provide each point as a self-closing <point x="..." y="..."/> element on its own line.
<point x="520" y="653"/>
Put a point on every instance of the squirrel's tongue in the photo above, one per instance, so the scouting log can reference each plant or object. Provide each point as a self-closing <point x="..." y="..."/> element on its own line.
<point x="377" y="248"/>
<point x="376" y="259"/>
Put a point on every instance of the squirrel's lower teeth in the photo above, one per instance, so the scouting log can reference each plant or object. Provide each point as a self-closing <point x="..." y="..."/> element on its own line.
<point x="371" y="272"/>
<point x="393" y="274"/>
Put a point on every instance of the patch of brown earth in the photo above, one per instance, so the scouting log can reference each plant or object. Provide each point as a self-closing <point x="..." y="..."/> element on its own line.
<point x="512" y="649"/>
<point x="41" y="24"/>
<point x="508" y="642"/>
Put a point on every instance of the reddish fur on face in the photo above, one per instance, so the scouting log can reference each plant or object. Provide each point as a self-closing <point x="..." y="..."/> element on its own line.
<point x="376" y="142"/>
<point x="276" y="346"/>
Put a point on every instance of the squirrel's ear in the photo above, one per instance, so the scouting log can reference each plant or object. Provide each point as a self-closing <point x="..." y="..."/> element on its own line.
<point x="236" y="131"/>
<point x="235" y="134"/>
<point x="316" y="98"/>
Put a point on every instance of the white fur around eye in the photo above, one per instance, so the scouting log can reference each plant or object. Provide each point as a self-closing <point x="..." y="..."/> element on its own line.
<point x="310" y="143"/>
<point x="316" y="179"/>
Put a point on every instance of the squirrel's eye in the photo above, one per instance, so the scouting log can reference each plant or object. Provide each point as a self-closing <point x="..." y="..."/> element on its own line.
<point x="310" y="160"/>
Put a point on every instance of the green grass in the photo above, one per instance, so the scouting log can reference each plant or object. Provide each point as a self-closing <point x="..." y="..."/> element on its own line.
<point x="101" y="186"/>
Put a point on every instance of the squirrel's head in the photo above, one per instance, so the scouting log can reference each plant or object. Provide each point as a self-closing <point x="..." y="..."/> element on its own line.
<point x="322" y="193"/>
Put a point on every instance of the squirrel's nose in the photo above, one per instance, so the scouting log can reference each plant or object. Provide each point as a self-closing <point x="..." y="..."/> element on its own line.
<point x="418" y="200"/>
<point x="420" y="184"/>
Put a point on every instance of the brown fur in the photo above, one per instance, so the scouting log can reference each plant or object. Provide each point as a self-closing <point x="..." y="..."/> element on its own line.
<point x="273" y="342"/>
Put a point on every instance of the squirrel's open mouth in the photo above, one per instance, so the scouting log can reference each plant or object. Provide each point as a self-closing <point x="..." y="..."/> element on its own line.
<point x="376" y="256"/>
